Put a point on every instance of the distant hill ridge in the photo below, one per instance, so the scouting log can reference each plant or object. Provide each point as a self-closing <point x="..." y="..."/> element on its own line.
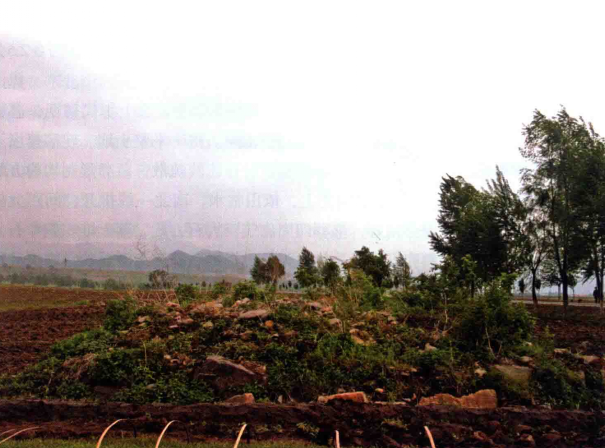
<point x="178" y="262"/>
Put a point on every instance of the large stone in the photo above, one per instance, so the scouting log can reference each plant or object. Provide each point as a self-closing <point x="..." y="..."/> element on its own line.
<point x="255" y="314"/>
<point x="358" y="397"/>
<point x="223" y="373"/>
<point x="519" y="374"/>
<point x="246" y="398"/>
<point x="484" y="399"/>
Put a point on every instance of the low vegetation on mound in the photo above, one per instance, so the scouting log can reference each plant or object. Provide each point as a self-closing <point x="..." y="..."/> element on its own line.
<point x="394" y="345"/>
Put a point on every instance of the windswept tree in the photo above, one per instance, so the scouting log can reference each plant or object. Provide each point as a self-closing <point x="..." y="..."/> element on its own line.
<point x="260" y="272"/>
<point x="307" y="273"/>
<point x="161" y="279"/>
<point x="475" y="223"/>
<point x="590" y="196"/>
<point x="275" y="269"/>
<point x="375" y="266"/>
<point x="557" y="147"/>
<point x="402" y="273"/>
<point x="330" y="273"/>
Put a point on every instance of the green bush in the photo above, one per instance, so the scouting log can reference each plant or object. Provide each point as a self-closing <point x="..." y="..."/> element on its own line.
<point x="245" y="289"/>
<point x="119" y="314"/>
<point x="490" y="324"/>
<point x="220" y="289"/>
<point x="186" y="293"/>
<point x="93" y="341"/>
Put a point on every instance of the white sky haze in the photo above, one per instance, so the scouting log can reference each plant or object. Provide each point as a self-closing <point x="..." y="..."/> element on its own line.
<point x="326" y="124"/>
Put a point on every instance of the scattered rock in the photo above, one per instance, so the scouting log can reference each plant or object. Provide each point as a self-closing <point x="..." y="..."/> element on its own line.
<point x="315" y="305"/>
<point x="480" y="372"/>
<point x="260" y="314"/>
<point x="480" y="436"/>
<point x="208" y="325"/>
<point x="173" y="305"/>
<point x="246" y="335"/>
<point x="357" y="340"/>
<point x="173" y="327"/>
<point x="143" y="319"/>
<point x="484" y="399"/>
<point x="246" y="398"/>
<point x="429" y="348"/>
<point x="527" y="440"/>
<point x="562" y="351"/>
<point x="242" y="302"/>
<point x="526" y="360"/>
<point x="223" y="373"/>
<point x="522" y="429"/>
<point x="334" y="322"/>
<point x="269" y="325"/>
<point x="519" y="374"/>
<point x="589" y="359"/>
<point x="187" y="321"/>
<point x="358" y="397"/>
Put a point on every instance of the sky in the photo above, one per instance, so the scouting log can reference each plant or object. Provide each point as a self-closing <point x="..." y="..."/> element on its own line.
<point x="265" y="126"/>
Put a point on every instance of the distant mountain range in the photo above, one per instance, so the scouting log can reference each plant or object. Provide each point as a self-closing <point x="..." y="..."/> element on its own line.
<point x="178" y="262"/>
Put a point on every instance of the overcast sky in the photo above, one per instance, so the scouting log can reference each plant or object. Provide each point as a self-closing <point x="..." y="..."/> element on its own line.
<point x="266" y="126"/>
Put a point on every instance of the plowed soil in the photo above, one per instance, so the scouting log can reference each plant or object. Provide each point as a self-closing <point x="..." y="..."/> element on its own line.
<point x="37" y="317"/>
<point x="27" y="335"/>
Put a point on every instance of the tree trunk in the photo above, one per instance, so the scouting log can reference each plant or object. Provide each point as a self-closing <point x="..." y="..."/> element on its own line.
<point x="534" y="296"/>
<point x="565" y="285"/>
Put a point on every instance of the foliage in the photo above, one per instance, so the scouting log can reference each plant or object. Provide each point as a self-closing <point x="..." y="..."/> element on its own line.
<point x="220" y="289"/>
<point x="490" y="323"/>
<point x="307" y="273"/>
<point x="245" y="289"/>
<point x="186" y="293"/>
<point x="275" y="269"/>
<point x="119" y="314"/>
<point x="260" y="272"/>
<point x="330" y="274"/>
<point x="375" y="266"/>
<point x="402" y="273"/>
<point x="161" y="279"/>
<point x="562" y="186"/>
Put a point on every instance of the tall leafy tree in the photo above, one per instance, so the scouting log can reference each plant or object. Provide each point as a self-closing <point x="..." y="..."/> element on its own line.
<point x="556" y="147"/>
<point x="260" y="271"/>
<point x="274" y="269"/>
<point x="474" y="223"/>
<point x="590" y="195"/>
<point x="402" y="273"/>
<point x="307" y="273"/>
<point x="375" y="266"/>
<point x="330" y="273"/>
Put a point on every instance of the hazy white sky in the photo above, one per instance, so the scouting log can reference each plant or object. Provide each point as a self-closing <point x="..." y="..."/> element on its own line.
<point x="277" y="124"/>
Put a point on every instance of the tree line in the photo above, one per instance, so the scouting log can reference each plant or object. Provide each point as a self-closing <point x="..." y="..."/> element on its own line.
<point x="328" y="273"/>
<point x="550" y="232"/>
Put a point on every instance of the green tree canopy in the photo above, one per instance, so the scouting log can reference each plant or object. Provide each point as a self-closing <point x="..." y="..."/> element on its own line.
<point x="375" y="266"/>
<point x="307" y="273"/>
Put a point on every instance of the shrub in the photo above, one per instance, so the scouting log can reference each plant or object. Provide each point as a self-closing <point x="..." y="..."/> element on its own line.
<point x="219" y="289"/>
<point x="490" y="323"/>
<point x="245" y="289"/>
<point x="93" y="341"/>
<point x="119" y="314"/>
<point x="185" y="293"/>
